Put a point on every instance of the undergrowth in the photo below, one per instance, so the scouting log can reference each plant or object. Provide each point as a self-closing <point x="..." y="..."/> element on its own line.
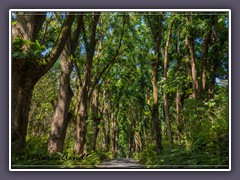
<point x="36" y="155"/>
<point x="196" y="157"/>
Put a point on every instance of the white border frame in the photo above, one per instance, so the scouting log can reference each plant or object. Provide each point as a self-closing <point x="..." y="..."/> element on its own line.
<point x="119" y="10"/>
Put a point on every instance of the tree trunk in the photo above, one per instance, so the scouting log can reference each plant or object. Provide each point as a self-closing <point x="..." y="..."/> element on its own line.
<point x="107" y="132"/>
<point x="61" y="117"/>
<point x="204" y="65"/>
<point x="81" y="121"/>
<point x="114" y="126"/>
<point x="190" y="44"/>
<point x="178" y="95"/>
<point x="214" y="65"/>
<point x="114" y="135"/>
<point x="142" y="130"/>
<point x="23" y="83"/>
<point x="165" y="96"/>
<point x="78" y="94"/>
<point x="28" y="25"/>
<point x="131" y="134"/>
<point x="137" y="140"/>
<point x="157" y="39"/>
<point x="96" y="118"/>
<point x="26" y="72"/>
<point x="83" y="110"/>
<point x="22" y="88"/>
<point x="215" y="59"/>
<point x="155" y="119"/>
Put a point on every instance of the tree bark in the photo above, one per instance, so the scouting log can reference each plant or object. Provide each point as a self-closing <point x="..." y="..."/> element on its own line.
<point x="26" y="72"/>
<point x="22" y="88"/>
<point x="155" y="119"/>
<point x="62" y="115"/>
<point x="131" y="132"/>
<point x="107" y="131"/>
<point x="157" y="39"/>
<point x="22" y="81"/>
<point x="190" y="44"/>
<point x="214" y="65"/>
<point x="165" y="96"/>
<point x="96" y="117"/>
<point x="28" y="25"/>
<point x="81" y="121"/>
<point x="114" y="135"/>
<point x="137" y="140"/>
<point x="204" y="64"/>
<point x="178" y="94"/>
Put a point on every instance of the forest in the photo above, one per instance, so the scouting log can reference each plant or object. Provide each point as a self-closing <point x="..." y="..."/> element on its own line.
<point x="87" y="87"/>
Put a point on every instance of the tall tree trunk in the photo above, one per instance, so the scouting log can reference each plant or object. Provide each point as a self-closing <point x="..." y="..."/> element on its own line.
<point x="190" y="44"/>
<point x="62" y="115"/>
<point x="178" y="94"/>
<point x="114" y="126"/>
<point x="114" y="135"/>
<point x="155" y="119"/>
<point x="165" y="96"/>
<point x="83" y="110"/>
<point x="107" y="132"/>
<point x="96" y="117"/>
<point x="187" y="64"/>
<point x="22" y="88"/>
<point x="137" y="140"/>
<point x="214" y="65"/>
<point x="204" y="64"/>
<point x="131" y="134"/>
<point x="142" y="131"/>
<point x="25" y="76"/>
<point x="215" y="60"/>
<point x="178" y="118"/>
<point x="81" y="121"/>
<point x="157" y="39"/>
<point x="27" y="27"/>
<point x="78" y="94"/>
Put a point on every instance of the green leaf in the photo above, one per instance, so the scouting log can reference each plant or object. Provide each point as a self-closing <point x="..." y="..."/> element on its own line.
<point x="220" y="20"/>
<point x="38" y="46"/>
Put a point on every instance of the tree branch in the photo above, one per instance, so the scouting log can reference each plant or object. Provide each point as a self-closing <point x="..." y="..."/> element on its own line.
<point x="59" y="45"/>
<point x="112" y="60"/>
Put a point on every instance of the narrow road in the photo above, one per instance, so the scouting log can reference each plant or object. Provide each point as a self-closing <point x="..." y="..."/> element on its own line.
<point x="120" y="163"/>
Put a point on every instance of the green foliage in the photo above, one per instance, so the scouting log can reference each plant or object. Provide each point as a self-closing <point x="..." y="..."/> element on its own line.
<point x="36" y="155"/>
<point x="17" y="44"/>
<point x="24" y="49"/>
<point x="180" y="157"/>
<point x="43" y="102"/>
<point x="35" y="149"/>
<point x="126" y="93"/>
<point x="148" y="156"/>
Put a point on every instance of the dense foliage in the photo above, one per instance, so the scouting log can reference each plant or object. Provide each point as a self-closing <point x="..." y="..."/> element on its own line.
<point x="187" y="53"/>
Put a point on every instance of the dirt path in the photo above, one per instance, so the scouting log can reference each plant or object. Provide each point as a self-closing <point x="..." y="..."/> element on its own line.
<point x="120" y="163"/>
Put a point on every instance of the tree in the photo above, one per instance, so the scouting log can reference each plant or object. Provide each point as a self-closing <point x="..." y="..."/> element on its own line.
<point x="190" y="45"/>
<point x="62" y="114"/>
<point x="165" y="96"/>
<point x="90" y="49"/>
<point x="28" y="68"/>
<point x="157" y="39"/>
<point x="150" y="86"/>
<point x="179" y="95"/>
